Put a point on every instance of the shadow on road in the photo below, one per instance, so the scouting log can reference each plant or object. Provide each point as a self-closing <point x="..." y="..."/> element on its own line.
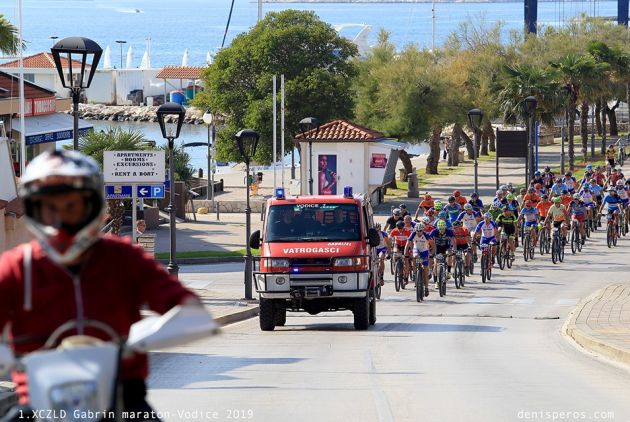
<point x="439" y="328"/>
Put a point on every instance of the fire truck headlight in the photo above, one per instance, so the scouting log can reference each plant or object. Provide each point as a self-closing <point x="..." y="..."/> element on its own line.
<point x="342" y="279"/>
<point x="280" y="281"/>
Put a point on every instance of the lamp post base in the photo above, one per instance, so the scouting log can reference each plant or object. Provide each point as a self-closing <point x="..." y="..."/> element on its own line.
<point x="173" y="269"/>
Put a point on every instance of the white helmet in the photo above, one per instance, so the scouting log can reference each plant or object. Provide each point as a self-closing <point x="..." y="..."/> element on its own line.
<point x="419" y="227"/>
<point x="58" y="172"/>
<point x="426" y="220"/>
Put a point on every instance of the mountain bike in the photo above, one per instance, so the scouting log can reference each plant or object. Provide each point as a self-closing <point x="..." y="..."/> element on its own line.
<point x="557" y="246"/>
<point x="397" y="263"/>
<point x="611" y="231"/>
<point x="487" y="260"/>
<point x="576" y="237"/>
<point x="441" y="275"/>
<point x="528" y="249"/>
<point x="419" y="278"/>
<point x="458" y="269"/>
<point x="544" y="240"/>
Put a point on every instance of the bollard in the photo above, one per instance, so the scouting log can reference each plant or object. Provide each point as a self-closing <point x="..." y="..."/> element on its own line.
<point x="216" y="207"/>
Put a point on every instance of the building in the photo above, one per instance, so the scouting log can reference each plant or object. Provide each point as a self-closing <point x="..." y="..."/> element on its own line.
<point x="341" y="153"/>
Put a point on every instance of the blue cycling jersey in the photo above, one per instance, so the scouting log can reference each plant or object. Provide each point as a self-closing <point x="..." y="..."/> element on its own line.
<point x="453" y="211"/>
<point x="612" y="203"/>
<point x="557" y="189"/>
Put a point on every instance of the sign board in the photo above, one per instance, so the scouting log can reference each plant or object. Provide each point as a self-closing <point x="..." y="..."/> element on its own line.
<point x="39" y="106"/>
<point x="61" y="135"/>
<point x="512" y="143"/>
<point x="142" y="191"/>
<point x="141" y="167"/>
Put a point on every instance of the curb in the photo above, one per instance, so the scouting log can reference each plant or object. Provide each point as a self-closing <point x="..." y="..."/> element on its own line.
<point x="237" y="316"/>
<point x="589" y="342"/>
<point x="207" y="260"/>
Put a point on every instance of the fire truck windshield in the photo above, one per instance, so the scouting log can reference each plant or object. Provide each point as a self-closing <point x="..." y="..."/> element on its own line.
<point x="313" y="223"/>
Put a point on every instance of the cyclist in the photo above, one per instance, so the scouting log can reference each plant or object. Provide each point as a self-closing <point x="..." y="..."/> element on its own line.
<point x="396" y="216"/>
<point x="578" y="213"/>
<point x="611" y="154"/>
<point x="566" y="198"/>
<point x="531" y="195"/>
<point x="403" y="210"/>
<point x="597" y="190"/>
<point x="426" y="204"/>
<point x="441" y="238"/>
<point x="459" y="199"/>
<point x="499" y="195"/>
<point x="589" y="200"/>
<point x="476" y="203"/>
<point x="615" y="176"/>
<point x="558" y="187"/>
<point x="599" y="176"/>
<point x="444" y="217"/>
<point x="461" y="234"/>
<point x="512" y="203"/>
<point x="495" y="211"/>
<point x="557" y="214"/>
<point x="430" y="215"/>
<point x="622" y="193"/>
<point x="521" y="197"/>
<point x="419" y="241"/>
<point x="548" y="178"/>
<point x="530" y="215"/>
<point x="537" y="179"/>
<point x="543" y="208"/>
<point x="470" y="218"/>
<point x="452" y="209"/>
<point x="400" y="235"/>
<point x="409" y="224"/>
<point x="507" y="222"/>
<point x="570" y="182"/>
<point x="540" y="189"/>
<point x="487" y="230"/>
<point x="383" y="250"/>
<point x="438" y="207"/>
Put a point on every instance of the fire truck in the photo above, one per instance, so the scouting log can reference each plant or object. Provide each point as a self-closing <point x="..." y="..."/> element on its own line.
<point x="317" y="254"/>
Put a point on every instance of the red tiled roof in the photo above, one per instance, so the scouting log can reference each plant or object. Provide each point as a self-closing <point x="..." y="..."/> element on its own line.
<point x="342" y="130"/>
<point x="41" y="61"/>
<point x="180" y="72"/>
<point x="10" y="88"/>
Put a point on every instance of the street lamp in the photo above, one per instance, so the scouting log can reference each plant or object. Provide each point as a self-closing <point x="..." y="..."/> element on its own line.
<point x="307" y="124"/>
<point x="247" y="141"/>
<point x="208" y="119"/>
<point x="171" y="117"/>
<point x="77" y="53"/>
<point x="53" y="38"/>
<point x="121" y="42"/>
<point x="475" y="116"/>
<point x="530" y="111"/>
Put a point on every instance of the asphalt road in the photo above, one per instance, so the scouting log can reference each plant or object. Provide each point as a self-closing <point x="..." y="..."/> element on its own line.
<point x="487" y="352"/>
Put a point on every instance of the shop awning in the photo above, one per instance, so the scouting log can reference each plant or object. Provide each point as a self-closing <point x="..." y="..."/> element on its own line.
<point x="49" y="128"/>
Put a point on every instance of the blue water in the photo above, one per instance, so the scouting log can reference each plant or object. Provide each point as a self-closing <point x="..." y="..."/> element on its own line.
<point x="174" y="25"/>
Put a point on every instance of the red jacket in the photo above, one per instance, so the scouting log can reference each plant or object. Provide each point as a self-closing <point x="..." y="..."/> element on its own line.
<point x="115" y="281"/>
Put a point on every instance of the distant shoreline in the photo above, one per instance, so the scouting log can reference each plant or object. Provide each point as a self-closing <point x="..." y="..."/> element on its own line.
<point x="394" y="1"/>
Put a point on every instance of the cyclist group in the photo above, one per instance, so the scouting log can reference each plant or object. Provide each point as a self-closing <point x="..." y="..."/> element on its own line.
<point x="442" y="229"/>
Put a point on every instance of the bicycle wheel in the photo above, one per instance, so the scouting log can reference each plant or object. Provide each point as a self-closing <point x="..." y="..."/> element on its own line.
<point x="615" y="236"/>
<point x="579" y="242"/>
<point x="419" y="286"/>
<point x="532" y="251"/>
<point x="484" y="266"/>
<point x="458" y="272"/>
<point x="378" y="288"/>
<point x="508" y="257"/>
<point x="561" y="251"/>
<point x="441" y="280"/>
<point x="609" y="235"/>
<point x="489" y="270"/>
<point x="574" y="240"/>
<point x="541" y="241"/>
<point x="501" y="255"/>
<point x="526" y="246"/>
<point x="554" y="250"/>
<point x="471" y="267"/>
<point x="398" y="275"/>
<point x="587" y="228"/>
<point x="462" y="277"/>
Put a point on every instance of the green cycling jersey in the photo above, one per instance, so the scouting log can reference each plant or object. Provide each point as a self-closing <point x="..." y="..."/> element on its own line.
<point x="503" y="220"/>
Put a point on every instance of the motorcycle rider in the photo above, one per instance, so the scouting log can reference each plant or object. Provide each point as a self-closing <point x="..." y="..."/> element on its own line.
<point x="71" y="272"/>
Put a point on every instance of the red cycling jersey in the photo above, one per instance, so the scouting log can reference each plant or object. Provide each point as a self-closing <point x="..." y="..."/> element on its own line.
<point x="461" y="236"/>
<point x="116" y="279"/>
<point x="401" y="236"/>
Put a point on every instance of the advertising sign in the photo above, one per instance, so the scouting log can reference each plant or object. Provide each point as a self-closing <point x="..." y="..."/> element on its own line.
<point x="134" y="167"/>
<point x="378" y="161"/>
<point x="327" y="174"/>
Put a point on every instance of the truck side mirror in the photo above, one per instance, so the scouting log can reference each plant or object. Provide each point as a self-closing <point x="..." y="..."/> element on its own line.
<point x="373" y="238"/>
<point x="254" y="240"/>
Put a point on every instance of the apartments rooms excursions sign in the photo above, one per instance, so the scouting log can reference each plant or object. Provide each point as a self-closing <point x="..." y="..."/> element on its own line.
<point x="134" y="167"/>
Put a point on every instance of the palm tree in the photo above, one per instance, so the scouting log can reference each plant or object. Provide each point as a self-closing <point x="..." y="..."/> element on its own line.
<point x="573" y="71"/>
<point x="112" y="139"/>
<point x="9" y="41"/>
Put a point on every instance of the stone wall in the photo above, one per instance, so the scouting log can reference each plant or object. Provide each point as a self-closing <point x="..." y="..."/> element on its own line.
<point x="227" y="206"/>
<point x="131" y="113"/>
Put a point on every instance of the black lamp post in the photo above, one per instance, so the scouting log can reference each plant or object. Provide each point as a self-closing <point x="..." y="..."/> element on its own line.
<point x="475" y="116"/>
<point x="121" y="42"/>
<point x="208" y="119"/>
<point x="171" y="117"/>
<point x="307" y="124"/>
<point x="247" y="141"/>
<point x="77" y="53"/>
<point x="530" y="111"/>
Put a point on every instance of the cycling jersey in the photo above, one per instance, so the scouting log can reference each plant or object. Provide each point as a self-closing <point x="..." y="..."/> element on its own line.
<point x="587" y="197"/>
<point x="461" y="236"/>
<point x="615" y="176"/>
<point x="428" y="228"/>
<point x="543" y="208"/>
<point x="530" y="215"/>
<point x="556" y="213"/>
<point x="382" y="245"/>
<point x="578" y="210"/>
<point x="597" y="190"/>
<point x="453" y="211"/>
<point x="612" y="203"/>
<point x="570" y="183"/>
<point x="494" y="214"/>
<point x="599" y="178"/>
<point x="548" y="179"/>
<point x="535" y="198"/>
<point x="557" y="189"/>
<point x="566" y="200"/>
<point x="441" y="240"/>
<point x="611" y="154"/>
<point x="400" y="236"/>
<point x="461" y="201"/>
<point x="486" y="229"/>
<point x="420" y="241"/>
<point x="509" y="221"/>
<point x="470" y="220"/>
<point x="623" y="195"/>
<point x="477" y="205"/>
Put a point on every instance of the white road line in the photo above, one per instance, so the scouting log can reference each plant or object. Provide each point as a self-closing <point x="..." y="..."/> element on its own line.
<point x="197" y="284"/>
<point x="567" y="302"/>
<point x="523" y="301"/>
<point x="484" y="300"/>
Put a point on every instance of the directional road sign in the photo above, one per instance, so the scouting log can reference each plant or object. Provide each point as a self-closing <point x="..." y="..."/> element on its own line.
<point x="151" y="191"/>
<point x="142" y="191"/>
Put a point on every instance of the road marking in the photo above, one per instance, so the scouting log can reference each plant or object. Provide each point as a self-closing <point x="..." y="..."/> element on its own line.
<point x="197" y="284"/>
<point x="483" y="300"/>
<point x="567" y="302"/>
<point x="523" y="301"/>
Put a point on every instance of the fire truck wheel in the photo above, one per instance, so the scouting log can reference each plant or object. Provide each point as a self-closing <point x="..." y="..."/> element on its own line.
<point x="372" y="307"/>
<point x="361" y="313"/>
<point x="280" y="315"/>
<point x="267" y="316"/>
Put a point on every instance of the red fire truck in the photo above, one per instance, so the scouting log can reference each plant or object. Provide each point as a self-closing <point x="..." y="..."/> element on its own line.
<point x="317" y="254"/>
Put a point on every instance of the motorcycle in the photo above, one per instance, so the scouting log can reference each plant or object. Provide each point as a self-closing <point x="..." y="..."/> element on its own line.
<point x="77" y="380"/>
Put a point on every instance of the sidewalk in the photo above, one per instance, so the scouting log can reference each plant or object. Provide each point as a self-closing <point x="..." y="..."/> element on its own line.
<point x="601" y="323"/>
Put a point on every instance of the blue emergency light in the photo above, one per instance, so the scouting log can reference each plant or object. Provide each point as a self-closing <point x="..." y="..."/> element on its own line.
<point x="280" y="193"/>
<point x="347" y="191"/>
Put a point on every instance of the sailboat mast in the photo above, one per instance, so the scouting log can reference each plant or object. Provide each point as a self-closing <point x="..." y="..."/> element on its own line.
<point x="433" y="26"/>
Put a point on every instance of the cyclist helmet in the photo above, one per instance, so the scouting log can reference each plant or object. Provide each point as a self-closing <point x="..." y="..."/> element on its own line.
<point x="499" y="192"/>
<point x="427" y="197"/>
<point x="587" y="188"/>
<point x="426" y="220"/>
<point x="467" y="207"/>
<point x="531" y="189"/>
<point x="537" y="173"/>
<point x="438" y="206"/>
<point x="528" y="204"/>
<point x="613" y="191"/>
<point x="443" y="215"/>
<point x="559" y="180"/>
<point x="451" y="198"/>
<point x="619" y="183"/>
<point x="474" y="195"/>
<point x="400" y="224"/>
<point x="556" y="200"/>
<point x="589" y="167"/>
<point x="576" y="196"/>
<point x="547" y="169"/>
<point x="62" y="172"/>
<point x="544" y="197"/>
<point x="441" y="225"/>
<point x="509" y="197"/>
<point x="537" y="186"/>
<point x="456" y="193"/>
<point x="568" y="174"/>
<point x="457" y="223"/>
<point x="487" y="215"/>
<point x="377" y="226"/>
<point x="403" y="206"/>
<point x="565" y="191"/>
<point x="396" y="211"/>
<point x="493" y="207"/>
<point x="504" y="187"/>
<point x="419" y="227"/>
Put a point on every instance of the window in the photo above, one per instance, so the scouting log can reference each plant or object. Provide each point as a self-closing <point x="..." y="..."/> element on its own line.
<point x="29" y="77"/>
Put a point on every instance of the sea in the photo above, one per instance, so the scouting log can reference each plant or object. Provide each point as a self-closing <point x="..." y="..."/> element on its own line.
<point x="173" y="28"/>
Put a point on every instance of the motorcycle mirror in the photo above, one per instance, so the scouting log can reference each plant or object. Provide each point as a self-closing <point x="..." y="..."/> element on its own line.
<point x="7" y="359"/>
<point x="179" y="325"/>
